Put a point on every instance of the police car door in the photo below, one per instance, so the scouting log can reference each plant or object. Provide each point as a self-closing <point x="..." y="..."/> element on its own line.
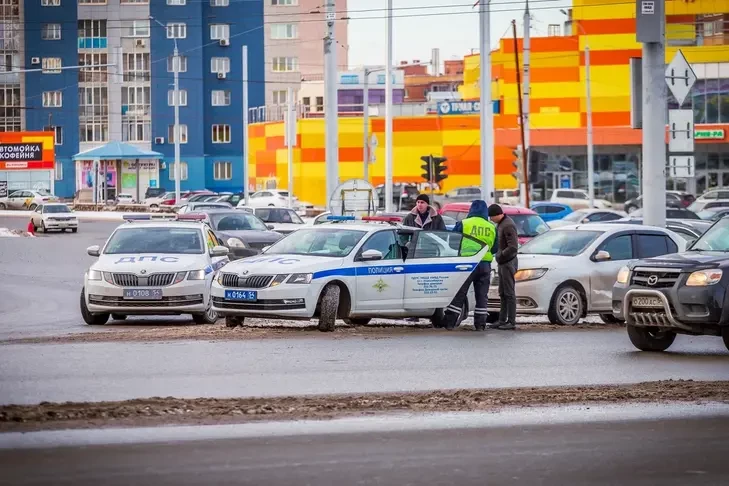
<point x="379" y="283"/>
<point x="437" y="266"/>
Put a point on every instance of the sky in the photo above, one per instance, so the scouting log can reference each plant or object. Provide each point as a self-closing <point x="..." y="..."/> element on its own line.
<point x="451" y="25"/>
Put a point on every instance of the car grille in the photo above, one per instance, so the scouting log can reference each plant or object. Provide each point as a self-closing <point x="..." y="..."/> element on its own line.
<point x="657" y="279"/>
<point x="174" y="301"/>
<point x="154" y="280"/>
<point x="251" y="282"/>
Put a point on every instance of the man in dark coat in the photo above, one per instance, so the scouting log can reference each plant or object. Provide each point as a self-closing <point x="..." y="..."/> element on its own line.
<point x="424" y="216"/>
<point x="506" y="258"/>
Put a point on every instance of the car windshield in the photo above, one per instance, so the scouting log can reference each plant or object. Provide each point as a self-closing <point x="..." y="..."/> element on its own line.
<point x="186" y="241"/>
<point x="43" y="192"/>
<point x="237" y="221"/>
<point x="278" y="215"/>
<point x="330" y="242"/>
<point x="576" y="216"/>
<point x="560" y="242"/>
<point x="710" y="215"/>
<point x="529" y="225"/>
<point x="56" y="209"/>
<point x="715" y="239"/>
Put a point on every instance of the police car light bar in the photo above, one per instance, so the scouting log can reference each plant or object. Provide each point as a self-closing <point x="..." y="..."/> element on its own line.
<point x="191" y="217"/>
<point x="147" y="217"/>
<point x="386" y="219"/>
<point x="341" y="218"/>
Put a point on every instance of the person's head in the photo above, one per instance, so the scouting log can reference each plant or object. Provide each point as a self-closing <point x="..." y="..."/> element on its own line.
<point x="422" y="202"/>
<point x="496" y="213"/>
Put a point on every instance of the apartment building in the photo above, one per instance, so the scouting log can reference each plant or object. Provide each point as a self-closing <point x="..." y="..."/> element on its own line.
<point x="125" y="91"/>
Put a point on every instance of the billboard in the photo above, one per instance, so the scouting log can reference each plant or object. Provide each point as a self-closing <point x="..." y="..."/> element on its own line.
<point x="27" y="150"/>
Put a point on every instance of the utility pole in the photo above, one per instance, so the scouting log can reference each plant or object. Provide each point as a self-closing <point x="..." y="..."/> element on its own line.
<point x="289" y="126"/>
<point x="366" y="121"/>
<point x="331" y="103"/>
<point x="246" y="166"/>
<point x="650" y="30"/>
<point x="590" y="148"/>
<point x="176" y="130"/>
<point x="524" y="189"/>
<point x="487" y="106"/>
<point x="525" y="161"/>
<point x="388" y="113"/>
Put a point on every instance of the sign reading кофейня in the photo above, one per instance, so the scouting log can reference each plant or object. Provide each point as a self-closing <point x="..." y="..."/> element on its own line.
<point x="25" y="152"/>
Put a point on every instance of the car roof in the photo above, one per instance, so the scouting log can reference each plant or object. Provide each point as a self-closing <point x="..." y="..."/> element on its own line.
<point x="605" y="227"/>
<point x="54" y="204"/>
<point x="508" y="210"/>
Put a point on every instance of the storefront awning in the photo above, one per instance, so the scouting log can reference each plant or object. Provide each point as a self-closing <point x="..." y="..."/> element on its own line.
<point x="117" y="151"/>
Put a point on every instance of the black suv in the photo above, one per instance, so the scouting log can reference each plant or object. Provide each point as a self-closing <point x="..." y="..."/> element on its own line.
<point x="680" y="293"/>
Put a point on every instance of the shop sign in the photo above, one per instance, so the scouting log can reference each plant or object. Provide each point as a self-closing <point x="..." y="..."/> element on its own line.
<point x="28" y="152"/>
<point x="717" y="134"/>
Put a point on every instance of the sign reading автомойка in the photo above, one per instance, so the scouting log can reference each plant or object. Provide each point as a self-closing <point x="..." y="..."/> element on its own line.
<point x="28" y="152"/>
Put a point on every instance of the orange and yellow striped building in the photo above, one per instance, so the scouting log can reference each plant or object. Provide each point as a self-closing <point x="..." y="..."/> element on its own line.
<point x="557" y="104"/>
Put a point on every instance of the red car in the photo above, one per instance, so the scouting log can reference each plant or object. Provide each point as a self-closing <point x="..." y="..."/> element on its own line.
<point x="528" y="223"/>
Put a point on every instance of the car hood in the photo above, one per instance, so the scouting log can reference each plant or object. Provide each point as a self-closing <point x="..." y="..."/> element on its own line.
<point x="687" y="259"/>
<point x="268" y="264"/>
<point x="252" y="236"/>
<point x="145" y="264"/>
<point x="287" y="227"/>
<point x="542" y="261"/>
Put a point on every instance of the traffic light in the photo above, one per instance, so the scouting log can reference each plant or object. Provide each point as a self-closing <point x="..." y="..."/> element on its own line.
<point x="518" y="164"/>
<point x="426" y="167"/>
<point x="439" y="168"/>
<point x="537" y="160"/>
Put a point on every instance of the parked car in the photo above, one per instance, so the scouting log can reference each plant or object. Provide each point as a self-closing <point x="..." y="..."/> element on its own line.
<point x="54" y="216"/>
<point x="154" y="202"/>
<point x="241" y="232"/>
<point x="26" y="199"/>
<point x="671" y="213"/>
<point x="270" y="198"/>
<point x="713" y="214"/>
<point x="154" y="192"/>
<point x="588" y="216"/>
<point x="569" y="272"/>
<point x="194" y="207"/>
<point x="550" y="211"/>
<point x="690" y="230"/>
<point x="528" y="223"/>
<point x="712" y="196"/>
<point x="283" y="220"/>
<point x="403" y="196"/>
<point x="577" y="199"/>
<point x="674" y="199"/>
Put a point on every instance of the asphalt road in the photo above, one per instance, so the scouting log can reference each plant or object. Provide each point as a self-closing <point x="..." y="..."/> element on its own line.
<point x="666" y="451"/>
<point x="326" y="364"/>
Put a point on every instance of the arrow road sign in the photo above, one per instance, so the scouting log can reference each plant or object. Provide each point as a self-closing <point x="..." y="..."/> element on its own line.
<point x="680" y="78"/>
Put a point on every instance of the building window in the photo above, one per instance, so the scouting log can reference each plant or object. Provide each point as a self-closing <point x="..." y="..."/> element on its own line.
<point x="58" y="171"/>
<point x="136" y="66"/>
<point x="319" y="103"/>
<point x="136" y="28"/>
<point x="554" y="30"/>
<point x="221" y="133"/>
<point x="176" y="30"/>
<point x="135" y="1"/>
<point x="57" y="132"/>
<point x="284" y="2"/>
<point x="182" y="60"/>
<point x="136" y="130"/>
<point x="171" y="97"/>
<point x="92" y="34"/>
<point x="285" y="64"/>
<point x="171" y="133"/>
<point x="219" y="65"/>
<point x="284" y="31"/>
<point x="176" y="2"/>
<point x="51" y="32"/>
<point x="51" y="65"/>
<point x="135" y="101"/>
<point x="222" y="171"/>
<point x="183" y="171"/>
<point x="52" y="99"/>
<point x="10" y="108"/>
<point x="219" y="3"/>
<point x="220" y="97"/>
<point x="50" y="3"/>
<point x="219" y="31"/>
<point x="95" y="71"/>
<point x="279" y="97"/>
<point x="92" y="2"/>
<point x="93" y="114"/>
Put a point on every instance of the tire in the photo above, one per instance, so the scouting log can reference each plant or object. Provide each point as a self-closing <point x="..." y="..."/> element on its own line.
<point x="567" y="306"/>
<point x="207" y="317"/>
<point x="153" y="206"/>
<point x="3" y="207"/>
<point x="74" y="230"/>
<point x="328" y="308"/>
<point x="89" y="318"/>
<point x="118" y="317"/>
<point x="464" y="313"/>
<point x="43" y="227"/>
<point x="610" y="319"/>
<point x="32" y="207"/>
<point x="357" y="321"/>
<point x="233" y="321"/>
<point x="437" y="320"/>
<point x="654" y="341"/>
<point x="630" y="209"/>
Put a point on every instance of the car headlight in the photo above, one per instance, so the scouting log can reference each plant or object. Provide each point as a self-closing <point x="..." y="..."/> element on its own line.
<point x="235" y="243"/>
<point x="300" y="278"/>
<point x="196" y="275"/>
<point x="278" y="280"/>
<point x="529" y="274"/>
<point x="219" y="278"/>
<point x="703" y="278"/>
<point x="95" y="275"/>
<point x="623" y="275"/>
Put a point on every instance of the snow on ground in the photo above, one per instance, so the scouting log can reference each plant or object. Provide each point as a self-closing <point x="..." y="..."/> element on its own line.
<point x="10" y="233"/>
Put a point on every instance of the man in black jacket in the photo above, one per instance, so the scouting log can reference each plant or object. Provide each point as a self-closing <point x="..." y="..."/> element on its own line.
<point x="424" y="216"/>
<point x="506" y="257"/>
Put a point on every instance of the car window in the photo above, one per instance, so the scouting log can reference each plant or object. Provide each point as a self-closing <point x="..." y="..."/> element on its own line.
<point x="55" y="209"/>
<point x="619" y="247"/>
<point x="560" y="242"/>
<point x="683" y="233"/>
<point x="278" y="215"/>
<point x="451" y="214"/>
<point x="554" y="209"/>
<point x="576" y="216"/>
<point x="540" y="209"/>
<point x="581" y="195"/>
<point x="385" y="243"/>
<point x="711" y="195"/>
<point x="565" y="194"/>
<point x="723" y="195"/>
<point x="529" y="225"/>
<point x="155" y="241"/>
<point x="444" y="244"/>
<point x="651" y="245"/>
<point x="605" y="217"/>
<point x="239" y="221"/>
<point x="329" y="242"/>
<point x="211" y="240"/>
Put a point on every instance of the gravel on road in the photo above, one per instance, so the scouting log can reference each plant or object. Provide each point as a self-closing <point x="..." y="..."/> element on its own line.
<point x="202" y="411"/>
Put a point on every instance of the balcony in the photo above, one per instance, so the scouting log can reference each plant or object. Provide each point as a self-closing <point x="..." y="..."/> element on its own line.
<point x="92" y="43"/>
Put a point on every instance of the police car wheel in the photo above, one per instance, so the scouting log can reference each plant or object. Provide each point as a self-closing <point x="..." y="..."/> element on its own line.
<point x="328" y="308"/>
<point x="208" y="317"/>
<point x="89" y="318"/>
<point x="357" y="321"/>
<point x="438" y="319"/>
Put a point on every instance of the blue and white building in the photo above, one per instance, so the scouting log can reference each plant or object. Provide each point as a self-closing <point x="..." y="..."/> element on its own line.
<point x="127" y="92"/>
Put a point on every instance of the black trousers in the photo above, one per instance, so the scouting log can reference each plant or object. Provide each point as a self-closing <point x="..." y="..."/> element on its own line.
<point x="480" y="277"/>
<point x="507" y="292"/>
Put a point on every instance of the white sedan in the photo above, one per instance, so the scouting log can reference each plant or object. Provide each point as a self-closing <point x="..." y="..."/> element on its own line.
<point x="349" y="270"/>
<point x="569" y="272"/>
<point x="54" y="216"/>
<point x="588" y="216"/>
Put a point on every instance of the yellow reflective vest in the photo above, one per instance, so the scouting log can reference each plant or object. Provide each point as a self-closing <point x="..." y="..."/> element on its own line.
<point x="481" y="229"/>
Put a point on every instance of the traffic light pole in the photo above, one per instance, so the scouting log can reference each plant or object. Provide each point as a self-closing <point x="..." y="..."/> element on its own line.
<point x="525" y="149"/>
<point x="432" y="176"/>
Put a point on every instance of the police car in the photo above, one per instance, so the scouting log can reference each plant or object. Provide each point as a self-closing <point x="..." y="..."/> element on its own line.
<point x="153" y="266"/>
<point x="349" y="269"/>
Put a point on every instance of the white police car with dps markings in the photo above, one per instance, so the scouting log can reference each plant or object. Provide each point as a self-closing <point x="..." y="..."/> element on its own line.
<point x="352" y="270"/>
<point x="153" y="267"/>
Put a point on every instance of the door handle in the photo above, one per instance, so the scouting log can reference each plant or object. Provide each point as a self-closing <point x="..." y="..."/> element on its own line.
<point x="463" y="267"/>
<point x="398" y="269"/>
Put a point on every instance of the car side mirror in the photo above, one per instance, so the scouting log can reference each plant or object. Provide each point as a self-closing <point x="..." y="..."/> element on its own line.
<point x="93" y="250"/>
<point x="371" y="255"/>
<point x="219" y="251"/>
<point x="602" y="256"/>
<point x="585" y="220"/>
<point x="270" y="226"/>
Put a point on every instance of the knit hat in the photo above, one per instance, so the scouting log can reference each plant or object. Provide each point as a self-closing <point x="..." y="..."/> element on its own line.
<point x="423" y="197"/>
<point x="495" y="210"/>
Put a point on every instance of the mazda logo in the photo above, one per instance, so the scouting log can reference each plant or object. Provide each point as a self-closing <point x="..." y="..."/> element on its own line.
<point x="653" y="279"/>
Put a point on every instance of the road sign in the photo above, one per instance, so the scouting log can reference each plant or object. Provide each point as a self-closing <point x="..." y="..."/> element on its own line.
<point x="680" y="78"/>
<point x="464" y="107"/>
<point x="681" y="166"/>
<point x="680" y="130"/>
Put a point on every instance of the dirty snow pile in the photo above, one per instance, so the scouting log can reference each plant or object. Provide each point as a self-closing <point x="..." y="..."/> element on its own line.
<point x="13" y="233"/>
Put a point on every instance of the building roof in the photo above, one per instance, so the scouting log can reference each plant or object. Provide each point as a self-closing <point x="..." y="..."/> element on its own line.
<point x="116" y="151"/>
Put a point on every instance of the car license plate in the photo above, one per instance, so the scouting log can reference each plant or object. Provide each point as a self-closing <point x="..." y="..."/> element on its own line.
<point x="143" y="294"/>
<point x="241" y="295"/>
<point x="647" y="302"/>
